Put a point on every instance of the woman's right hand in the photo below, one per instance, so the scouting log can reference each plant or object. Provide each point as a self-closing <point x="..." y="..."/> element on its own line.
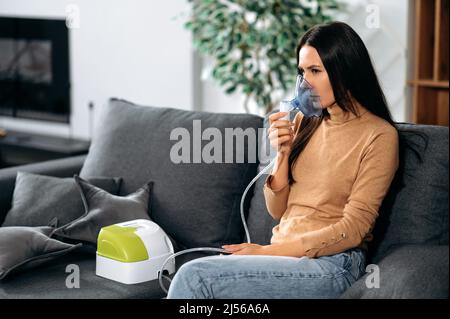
<point x="281" y="133"/>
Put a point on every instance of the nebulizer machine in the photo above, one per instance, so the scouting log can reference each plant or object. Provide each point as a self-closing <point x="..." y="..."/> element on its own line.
<point x="133" y="252"/>
<point x="139" y="250"/>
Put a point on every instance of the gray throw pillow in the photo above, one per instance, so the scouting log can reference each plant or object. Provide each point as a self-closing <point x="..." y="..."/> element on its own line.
<point x="26" y="247"/>
<point x="39" y="199"/>
<point x="104" y="209"/>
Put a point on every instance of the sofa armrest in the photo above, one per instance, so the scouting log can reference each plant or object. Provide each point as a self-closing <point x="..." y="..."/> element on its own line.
<point x="408" y="271"/>
<point x="65" y="167"/>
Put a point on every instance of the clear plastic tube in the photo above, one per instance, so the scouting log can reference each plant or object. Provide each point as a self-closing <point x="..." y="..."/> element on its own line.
<point x="244" y="223"/>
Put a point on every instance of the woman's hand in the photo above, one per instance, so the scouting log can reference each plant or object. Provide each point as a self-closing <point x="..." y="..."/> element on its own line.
<point x="281" y="133"/>
<point x="245" y="249"/>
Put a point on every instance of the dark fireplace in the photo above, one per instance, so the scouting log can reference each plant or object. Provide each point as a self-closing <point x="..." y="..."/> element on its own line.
<point x="34" y="69"/>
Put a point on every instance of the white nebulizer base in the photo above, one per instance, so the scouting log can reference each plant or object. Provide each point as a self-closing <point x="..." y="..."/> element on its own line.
<point x="134" y="272"/>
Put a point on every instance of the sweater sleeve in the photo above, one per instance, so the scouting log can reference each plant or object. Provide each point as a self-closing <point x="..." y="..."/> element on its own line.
<point x="377" y="169"/>
<point x="276" y="199"/>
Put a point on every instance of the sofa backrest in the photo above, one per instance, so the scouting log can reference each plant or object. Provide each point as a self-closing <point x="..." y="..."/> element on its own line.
<point x="197" y="204"/>
<point x="415" y="210"/>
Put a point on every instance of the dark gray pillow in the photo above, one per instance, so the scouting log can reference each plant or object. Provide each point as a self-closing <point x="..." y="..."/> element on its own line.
<point x="196" y="203"/>
<point x="104" y="209"/>
<point x="26" y="247"/>
<point x="38" y="199"/>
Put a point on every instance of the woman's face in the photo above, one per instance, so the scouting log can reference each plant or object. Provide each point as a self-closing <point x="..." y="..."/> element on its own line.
<point x="311" y="67"/>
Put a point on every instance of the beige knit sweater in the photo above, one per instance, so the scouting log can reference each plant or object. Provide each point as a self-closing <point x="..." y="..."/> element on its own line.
<point x="341" y="176"/>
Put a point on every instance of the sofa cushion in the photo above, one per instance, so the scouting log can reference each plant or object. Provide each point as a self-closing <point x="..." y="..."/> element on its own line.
<point x="27" y="247"/>
<point x="195" y="203"/>
<point x="104" y="209"/>
<point x="409" y="271"/>
<point x="415" y="210"/>
<point x="38" y="199"/>
<point x="59" y="280"/>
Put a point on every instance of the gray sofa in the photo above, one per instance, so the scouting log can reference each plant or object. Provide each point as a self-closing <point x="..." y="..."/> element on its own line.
<point x="198" y="204"/>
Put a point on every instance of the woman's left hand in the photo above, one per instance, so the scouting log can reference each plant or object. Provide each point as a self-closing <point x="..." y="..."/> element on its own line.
<point x="245" y="249"/>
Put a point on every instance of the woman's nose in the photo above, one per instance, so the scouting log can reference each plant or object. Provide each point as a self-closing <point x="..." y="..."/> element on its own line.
<point x="306" y="78"/>
<point x="307" y="82"/>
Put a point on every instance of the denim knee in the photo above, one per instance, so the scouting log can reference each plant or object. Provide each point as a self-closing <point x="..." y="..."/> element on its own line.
<point x="188" y="282"/>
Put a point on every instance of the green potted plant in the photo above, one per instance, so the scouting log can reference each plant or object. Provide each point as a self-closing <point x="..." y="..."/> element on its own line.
<point x="252" y="43"/>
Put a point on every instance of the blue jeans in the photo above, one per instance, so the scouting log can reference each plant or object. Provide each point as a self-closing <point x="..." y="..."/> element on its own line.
<point x="267" y="277"/>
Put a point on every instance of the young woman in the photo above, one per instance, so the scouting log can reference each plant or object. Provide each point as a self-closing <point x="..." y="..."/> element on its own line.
<point x="330" y="178"/>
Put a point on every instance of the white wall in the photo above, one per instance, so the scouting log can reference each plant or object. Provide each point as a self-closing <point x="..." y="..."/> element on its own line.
<point x="135" y="49"/>
<point x="387" y="46"/>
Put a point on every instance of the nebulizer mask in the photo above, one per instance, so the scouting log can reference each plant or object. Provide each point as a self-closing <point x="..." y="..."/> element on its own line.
<point x="305" y="100"/>
<point x="308" y="102"/>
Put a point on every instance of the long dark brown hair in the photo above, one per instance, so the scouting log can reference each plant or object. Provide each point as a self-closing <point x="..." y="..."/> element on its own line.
<point x="351" y="74"/>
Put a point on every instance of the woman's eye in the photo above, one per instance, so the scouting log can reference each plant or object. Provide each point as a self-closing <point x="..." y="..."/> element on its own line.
<point x="315" y="71"/>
